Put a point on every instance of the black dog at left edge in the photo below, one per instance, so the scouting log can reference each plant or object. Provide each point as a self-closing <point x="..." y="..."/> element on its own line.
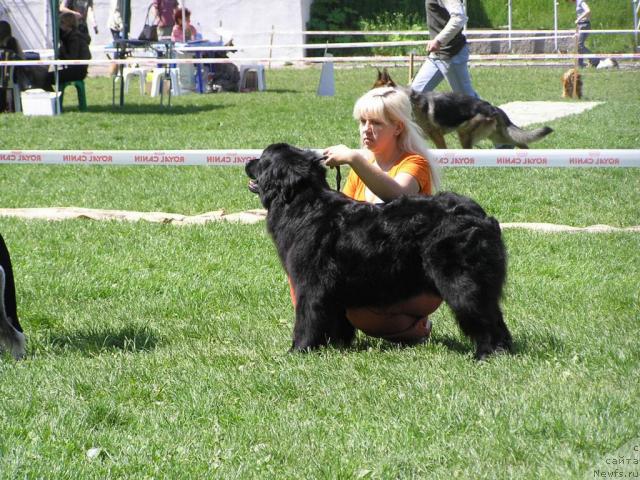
<point x="11" y="336"/>
<point x="341" y="253"/>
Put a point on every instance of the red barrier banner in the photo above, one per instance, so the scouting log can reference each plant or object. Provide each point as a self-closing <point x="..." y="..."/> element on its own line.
<point x="445" y="158"/>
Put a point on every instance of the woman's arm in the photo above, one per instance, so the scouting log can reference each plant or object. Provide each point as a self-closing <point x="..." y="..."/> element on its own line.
<point x="381" y="184"/>
<point x="65" y="9"/>
<point x="91" y="18"/>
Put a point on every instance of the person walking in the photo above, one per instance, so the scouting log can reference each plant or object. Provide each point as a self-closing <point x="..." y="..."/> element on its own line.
<point x="583" y="23"/>
<point x="448" y="53"/>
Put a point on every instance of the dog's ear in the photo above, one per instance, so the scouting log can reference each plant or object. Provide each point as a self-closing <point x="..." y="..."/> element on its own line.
<point x="306" y="171"/>
<point x="386" y="78"/>
<point x="287" y="171"/>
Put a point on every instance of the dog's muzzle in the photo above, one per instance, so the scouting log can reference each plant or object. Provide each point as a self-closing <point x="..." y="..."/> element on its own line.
<point x="253" y="186"/>
<point x="253" y="183"/>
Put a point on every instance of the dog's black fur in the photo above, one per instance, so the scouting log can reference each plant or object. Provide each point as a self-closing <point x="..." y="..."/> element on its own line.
<point x="11" y="336"/>
<point x="342" y="253"/>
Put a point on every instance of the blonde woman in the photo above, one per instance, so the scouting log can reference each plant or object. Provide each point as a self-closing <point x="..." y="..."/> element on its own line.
<point x="393" y="160"/>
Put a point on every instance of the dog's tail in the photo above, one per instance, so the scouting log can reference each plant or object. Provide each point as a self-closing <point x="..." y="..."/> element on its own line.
<point x="510" y="133"/>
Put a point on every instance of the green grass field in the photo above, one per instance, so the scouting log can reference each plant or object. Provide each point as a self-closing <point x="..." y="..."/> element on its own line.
<point x="165" y="347"/>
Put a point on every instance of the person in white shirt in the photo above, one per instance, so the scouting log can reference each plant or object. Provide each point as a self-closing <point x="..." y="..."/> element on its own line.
<point x="448" y="53"/>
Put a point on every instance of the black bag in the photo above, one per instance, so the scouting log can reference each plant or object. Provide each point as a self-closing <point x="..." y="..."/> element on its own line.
<point x="149" y="32"/>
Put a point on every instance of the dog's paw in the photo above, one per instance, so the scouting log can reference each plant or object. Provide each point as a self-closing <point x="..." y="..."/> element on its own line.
<point x="483" y="353"/>
<point x="19" y="350"/>
<point x="16" y="346"/>
<point x="303" y="348"/>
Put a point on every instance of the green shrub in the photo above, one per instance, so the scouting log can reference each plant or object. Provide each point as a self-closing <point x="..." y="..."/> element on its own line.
<point x="392" y="21"/>
<point x="410" y="15"/>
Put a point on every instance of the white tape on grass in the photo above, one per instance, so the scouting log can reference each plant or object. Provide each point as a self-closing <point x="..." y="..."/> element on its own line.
<point x="249" y="217"/>
<point x="445" y="158"/>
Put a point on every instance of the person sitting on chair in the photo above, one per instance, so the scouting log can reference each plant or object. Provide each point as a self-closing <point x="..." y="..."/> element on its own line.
<point x="180" y="34"/>
<point x="8" y="41"/>
<point x="74" y="45"/>
<point x="25" y="77"/>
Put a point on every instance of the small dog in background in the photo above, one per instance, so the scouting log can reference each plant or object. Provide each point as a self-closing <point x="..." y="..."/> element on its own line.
<point x="440" y="113"/>
<point x="572" y="84"/>
<point x="608" y="63"/>
<point x="11" y="337"/>
<point x="223" y="77"/>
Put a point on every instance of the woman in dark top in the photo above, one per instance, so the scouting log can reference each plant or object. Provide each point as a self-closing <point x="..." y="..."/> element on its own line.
<point x="25" y="77"/>
<point x="74" y="45"/>
<point x="7" y="40"/>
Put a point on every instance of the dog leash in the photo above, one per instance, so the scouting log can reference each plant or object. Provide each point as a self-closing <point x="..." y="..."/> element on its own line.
<point x="338" y="175"/>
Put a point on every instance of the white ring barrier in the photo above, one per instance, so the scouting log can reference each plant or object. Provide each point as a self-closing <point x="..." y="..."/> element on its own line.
<point x="446" y="158"/>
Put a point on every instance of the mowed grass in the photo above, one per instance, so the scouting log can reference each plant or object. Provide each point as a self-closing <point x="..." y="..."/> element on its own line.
<point x="290" y="111"/>
<point x="164" y="347"/>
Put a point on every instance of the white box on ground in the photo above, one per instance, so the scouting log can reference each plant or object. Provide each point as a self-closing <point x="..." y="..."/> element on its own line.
<point x="39" y="102"/>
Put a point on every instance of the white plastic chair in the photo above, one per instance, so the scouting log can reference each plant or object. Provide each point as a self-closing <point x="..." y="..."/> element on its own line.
<point x="130" y="72"/>
<point x="158" y="74"/>
<point x="260" y="72"/>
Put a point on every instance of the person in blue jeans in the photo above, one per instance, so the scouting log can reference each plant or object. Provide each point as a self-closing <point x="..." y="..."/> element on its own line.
<point x="448" y="53"/>
<point x="583" y="21"/>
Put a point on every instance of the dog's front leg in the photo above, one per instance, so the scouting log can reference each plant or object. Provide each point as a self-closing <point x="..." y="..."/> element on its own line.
<point x="319" y="322"/>
<point x="308" y="332"/>
<point x="438" y="138"/>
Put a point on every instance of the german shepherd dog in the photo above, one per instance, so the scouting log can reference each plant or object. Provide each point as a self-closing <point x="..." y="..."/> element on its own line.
<point x="11" y="337"/>
<point x="439" y="113"/>
<point x="340" y="253"/>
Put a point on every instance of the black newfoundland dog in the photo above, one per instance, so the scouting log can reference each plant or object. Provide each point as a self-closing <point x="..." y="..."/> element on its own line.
<point x="340" y="253"/>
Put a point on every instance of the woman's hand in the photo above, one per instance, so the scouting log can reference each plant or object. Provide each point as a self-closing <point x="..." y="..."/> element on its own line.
<point x="340" y="155"/>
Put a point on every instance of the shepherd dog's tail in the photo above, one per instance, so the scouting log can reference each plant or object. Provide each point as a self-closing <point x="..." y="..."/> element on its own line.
<point x="508" y="132"/>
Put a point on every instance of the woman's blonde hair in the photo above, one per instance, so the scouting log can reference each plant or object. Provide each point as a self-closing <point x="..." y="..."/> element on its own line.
<point x="389" y="105"/>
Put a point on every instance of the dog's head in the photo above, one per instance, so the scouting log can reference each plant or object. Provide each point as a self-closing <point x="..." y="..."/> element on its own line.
<point x="283" y="172"/>
<point x="384" y="80"/>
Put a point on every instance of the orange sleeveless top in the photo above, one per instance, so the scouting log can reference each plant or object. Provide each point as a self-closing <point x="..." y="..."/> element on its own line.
<point x="415" y="165"/>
